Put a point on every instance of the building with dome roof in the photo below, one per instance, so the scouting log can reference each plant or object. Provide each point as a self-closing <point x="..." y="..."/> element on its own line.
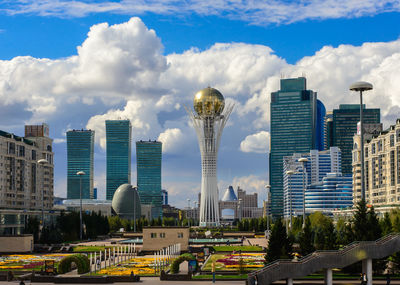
<point x="126" y="202"/>
<point x="209" y="120"/>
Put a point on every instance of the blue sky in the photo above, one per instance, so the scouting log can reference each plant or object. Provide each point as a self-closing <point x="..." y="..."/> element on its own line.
<point x="152" y="56"/>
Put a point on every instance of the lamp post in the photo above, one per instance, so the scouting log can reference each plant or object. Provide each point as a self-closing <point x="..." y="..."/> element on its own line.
<point x="239" y="209"/>
<point x="134" y="210"/>
<point x="303" y="161"/>
<point x="290" y="173"/>
<point x="80" y="174"/>
<point x="188" y="200"/>
<point x="268" y="188"/>
<point x="361" y="86"/>
<point x="42" y="162"/>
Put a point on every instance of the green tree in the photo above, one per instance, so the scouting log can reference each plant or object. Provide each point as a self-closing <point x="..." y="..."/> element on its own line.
<point x="374" y="230"/>
<point x="279" y="245"/>
<point x="386" y="224"/>
<point x="305" y="239"/>
<point x="360" y="221"/>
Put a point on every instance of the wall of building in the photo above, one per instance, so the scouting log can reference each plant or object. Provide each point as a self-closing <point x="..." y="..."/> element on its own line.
<point x="156" y="238"/>
<point x="382" y="168"/>
<point x="20" y="243"/>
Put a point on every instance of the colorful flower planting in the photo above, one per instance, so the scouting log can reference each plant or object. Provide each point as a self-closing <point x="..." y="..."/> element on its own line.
<point x="250" y="261"/>
<point x="138" y="266"/>
<point x="27" y="262"/>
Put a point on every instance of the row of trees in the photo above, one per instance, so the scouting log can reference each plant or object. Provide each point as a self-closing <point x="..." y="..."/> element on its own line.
<point x="320" y="233"/>
<point x="67" y="228"/>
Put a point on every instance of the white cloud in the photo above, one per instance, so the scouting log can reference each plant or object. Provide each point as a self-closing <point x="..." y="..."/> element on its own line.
<point x="58" y="140"/>
<point x="258" y="143"/>
<point x="113" y="76"/>
<point x="257" y="12"/>
<point x="171" y="139"/>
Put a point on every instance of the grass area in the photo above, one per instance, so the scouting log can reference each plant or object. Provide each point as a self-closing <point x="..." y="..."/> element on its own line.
<point x="82" y="248"/>
<point x="219" y="276"/>
<point x="243" y="248"/>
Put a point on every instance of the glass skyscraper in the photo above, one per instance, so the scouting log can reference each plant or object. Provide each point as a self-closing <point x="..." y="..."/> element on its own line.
<point x="319" y="164"/>
<point x="119" y="144"/>
<point x="296" y="126"/>
<point x="80" y="150"/>
<point x="148" y="159"/>
<point x="344" y="127"/>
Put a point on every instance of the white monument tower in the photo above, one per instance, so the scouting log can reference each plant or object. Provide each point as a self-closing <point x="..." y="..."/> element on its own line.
<point x="209" y="122"/>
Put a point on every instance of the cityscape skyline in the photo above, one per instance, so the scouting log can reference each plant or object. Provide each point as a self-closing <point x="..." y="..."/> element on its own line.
<point x="78" y="88"/>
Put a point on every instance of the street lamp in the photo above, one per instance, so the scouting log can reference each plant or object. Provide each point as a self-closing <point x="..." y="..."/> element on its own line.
<point x="188" y="200"/>
<point x="80" y="174"/>
<point x="42" y="162"/>
<point x="290" y="173"/>
<point x="239" y="206"/>
<point x="303" y="161"/>
<point x="361" y="86"/>
<point x="268" y="188"/>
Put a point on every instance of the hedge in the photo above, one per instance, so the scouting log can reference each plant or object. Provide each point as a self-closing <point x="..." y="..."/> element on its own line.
<point x="81" y="261"/>
<point x="184" y="257"/>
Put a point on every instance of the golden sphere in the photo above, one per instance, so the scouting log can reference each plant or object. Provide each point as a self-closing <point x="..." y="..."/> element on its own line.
<point x="208" y="102"/>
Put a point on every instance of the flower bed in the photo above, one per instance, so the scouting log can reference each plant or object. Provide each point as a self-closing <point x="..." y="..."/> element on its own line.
<point x="142" y="266"/>
<point x="229" y="262"/>
<point x="27" y="262"/>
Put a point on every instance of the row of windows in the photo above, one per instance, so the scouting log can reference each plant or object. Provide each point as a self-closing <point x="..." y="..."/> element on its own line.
<point x="162" y="235"/>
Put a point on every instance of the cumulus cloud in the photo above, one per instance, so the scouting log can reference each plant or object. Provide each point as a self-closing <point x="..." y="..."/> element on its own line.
<point x="257" y="12"/>
<point x="119" y="71"/>
<point x="258" y="143"/>
<point x="171" y="139"/>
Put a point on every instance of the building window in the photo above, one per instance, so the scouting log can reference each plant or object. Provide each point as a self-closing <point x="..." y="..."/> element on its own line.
<point x="380" y="145"/>
<point x="373" y="148"/>
<point x="162" y="235"/>
<point x="153" y="235"/>
<point x="180" y="235"/>
<point x="391" y="140"/>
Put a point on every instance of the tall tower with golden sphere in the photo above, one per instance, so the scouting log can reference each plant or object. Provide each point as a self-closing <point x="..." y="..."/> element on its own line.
<point x="209" y="120"/>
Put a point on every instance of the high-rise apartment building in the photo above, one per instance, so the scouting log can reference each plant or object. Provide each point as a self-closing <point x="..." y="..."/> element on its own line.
<point x="119" y="145"/>
<point x="344" y="126"/>
<point x="80" y="153"/>
<point x="26" y="186"/>
<point x="148" y="160"/>
<point x="319" y="164"/>
<point x="296" y="127"/>
<point x="382" y="168"/>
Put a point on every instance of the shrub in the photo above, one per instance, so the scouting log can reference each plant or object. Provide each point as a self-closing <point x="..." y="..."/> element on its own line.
<point x="183" y="257"/>
<point x="81" y="261"/>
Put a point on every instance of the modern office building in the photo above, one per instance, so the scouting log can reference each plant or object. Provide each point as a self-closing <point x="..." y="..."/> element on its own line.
<point x="328" y="128"/>
<point x="344" y="126"/>
<point x="26" y="186"/>
<point x="119" y="145"/>
<point x="382" y="168"/>
<point x="209" y="121"/>
<point x="334" y="192"/>
<point x="296" y="127"/>
<point x="80" y="152"/>
<point x="148" y="160"/>
<point x="319" y="164"/>
<point x="239" y="206"/>
<point x="164" y="194"/>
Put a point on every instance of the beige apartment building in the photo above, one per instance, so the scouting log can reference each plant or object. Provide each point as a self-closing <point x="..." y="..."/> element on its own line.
<point x="381" y="168"/>
<point x="25" y="183"/>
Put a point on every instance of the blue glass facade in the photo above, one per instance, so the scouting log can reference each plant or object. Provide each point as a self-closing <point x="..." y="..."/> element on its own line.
<point x="119" y="145"/>
<point x="80" y="150"/>
<point x="319" y="164"/>
<point x="332" y="193"/>
<point x="344" y="126"/>
<point x="293" y="129"/>
<point x="148" y="158"/>
<point x="319" y="138"/>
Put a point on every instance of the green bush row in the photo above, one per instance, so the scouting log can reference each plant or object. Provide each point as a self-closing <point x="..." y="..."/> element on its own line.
<point x="81" y="261"/>
<point x="183" y="257"/>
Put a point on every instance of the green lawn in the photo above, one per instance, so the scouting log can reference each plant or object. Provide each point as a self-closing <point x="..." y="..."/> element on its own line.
<point x="82" y="248"/>
<point x="243" y="248"/>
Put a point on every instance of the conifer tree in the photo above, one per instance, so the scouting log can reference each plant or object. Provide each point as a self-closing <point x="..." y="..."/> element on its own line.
<point x="279" y="245"/>
<point x="305" y="239"/>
